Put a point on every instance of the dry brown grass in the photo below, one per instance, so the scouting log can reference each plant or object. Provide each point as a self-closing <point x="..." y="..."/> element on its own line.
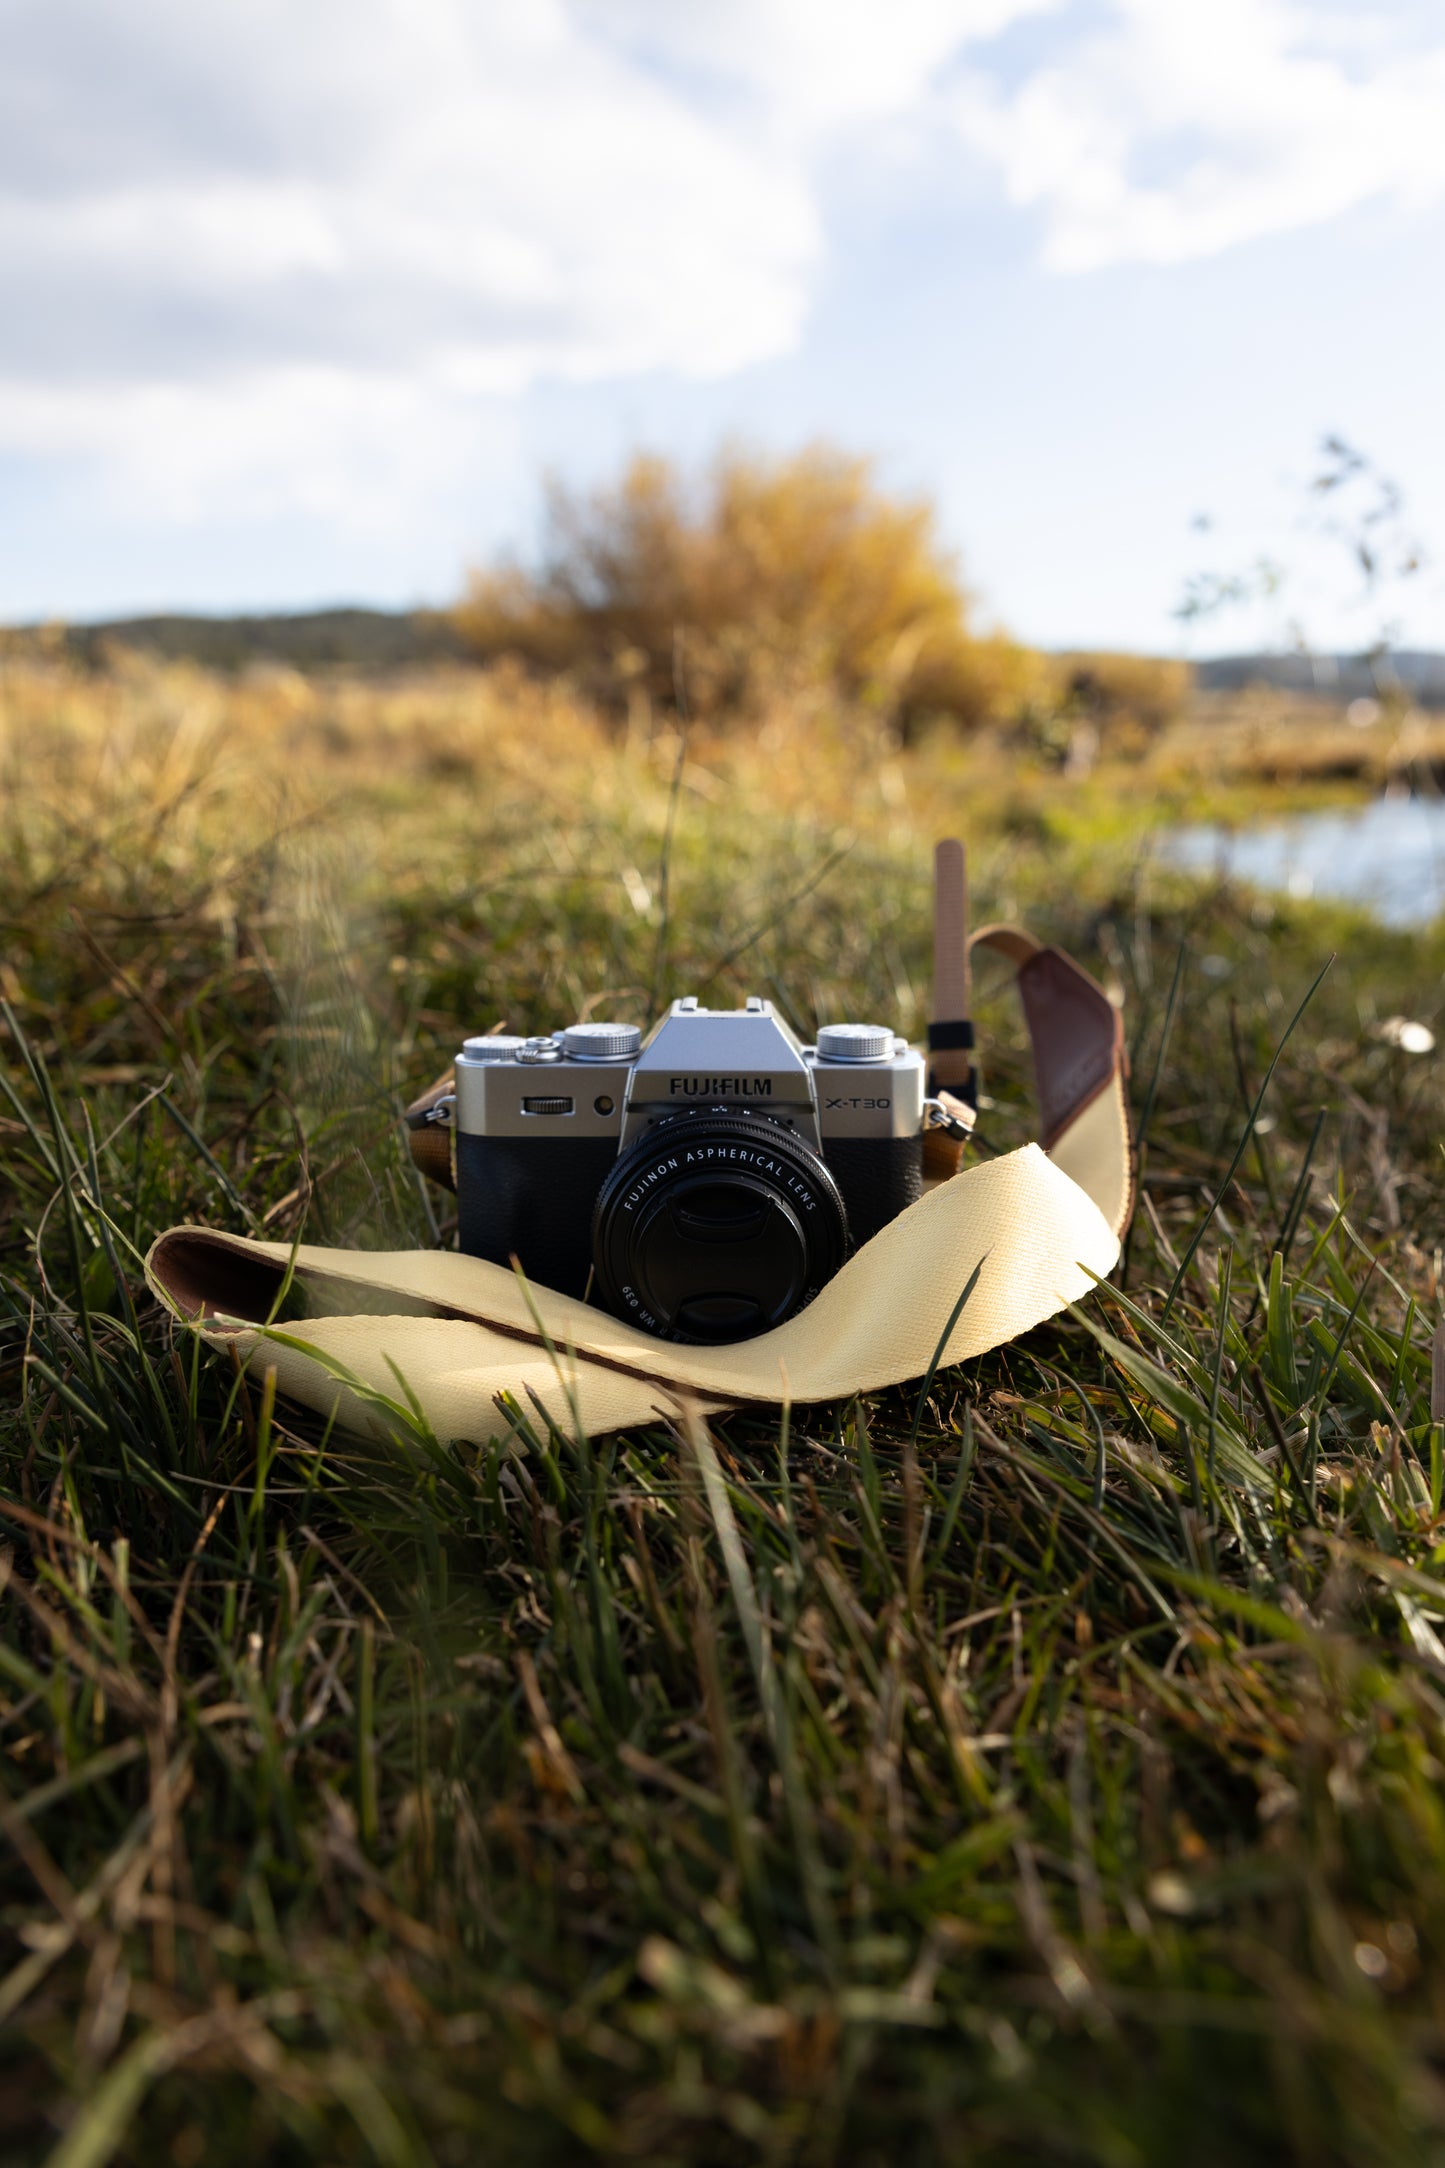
<point x="233" y="748"/>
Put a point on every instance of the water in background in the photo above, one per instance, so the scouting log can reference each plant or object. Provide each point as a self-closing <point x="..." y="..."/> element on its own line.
<point x="1391" y="854"/>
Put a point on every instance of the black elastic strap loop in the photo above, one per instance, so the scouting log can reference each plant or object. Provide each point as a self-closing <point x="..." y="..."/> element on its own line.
<point x="949" y="1032"/>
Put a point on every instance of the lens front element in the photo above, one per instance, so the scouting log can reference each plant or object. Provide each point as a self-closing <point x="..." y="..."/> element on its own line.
<point x="716" y="1226"/>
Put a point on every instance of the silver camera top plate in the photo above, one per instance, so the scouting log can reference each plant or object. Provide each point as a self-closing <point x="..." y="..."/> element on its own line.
<point x="860" y="1082"/>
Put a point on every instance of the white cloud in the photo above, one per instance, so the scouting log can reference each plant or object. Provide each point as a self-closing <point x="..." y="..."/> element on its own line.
<point x="256" y="224"/>
<point x="1179" y="129"/>
<point x="239" y="243"/>
<point x="257" y="255"/>
<point x="811" y="67"/>
<point x="324" y="443"/>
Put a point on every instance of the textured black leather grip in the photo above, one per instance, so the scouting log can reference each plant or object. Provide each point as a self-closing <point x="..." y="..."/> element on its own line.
<point x="879" y="1178"/>
<point x="532" y="1199"/>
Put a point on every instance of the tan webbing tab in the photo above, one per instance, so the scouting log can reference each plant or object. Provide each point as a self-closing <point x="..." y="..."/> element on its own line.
<point x="950" y="1064"/>
<point x="950" y="928"/>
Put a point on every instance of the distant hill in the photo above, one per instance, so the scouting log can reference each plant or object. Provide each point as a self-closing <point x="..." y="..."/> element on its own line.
<point x="1331" y="677"/>
<point x="366" y="640"/>
<point x="341" y="639"/>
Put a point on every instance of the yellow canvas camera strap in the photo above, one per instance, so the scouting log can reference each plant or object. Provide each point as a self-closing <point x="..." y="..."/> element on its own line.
<point x="1038" y="1226"/>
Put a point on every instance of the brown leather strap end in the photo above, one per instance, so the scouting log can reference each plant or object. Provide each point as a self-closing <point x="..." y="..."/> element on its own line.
<point x="431" y="1143"/>
<point x="206" y="1275"/>
<point x="1077" y="1035"/>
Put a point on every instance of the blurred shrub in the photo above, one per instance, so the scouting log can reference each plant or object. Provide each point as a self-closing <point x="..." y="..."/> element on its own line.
<point x="780" y="576"/>
<point x="1129" y="699"/>
<point x="1097" y="705"/>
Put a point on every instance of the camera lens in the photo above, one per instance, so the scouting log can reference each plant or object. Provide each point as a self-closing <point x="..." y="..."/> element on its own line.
<point x="716" y="1226"/>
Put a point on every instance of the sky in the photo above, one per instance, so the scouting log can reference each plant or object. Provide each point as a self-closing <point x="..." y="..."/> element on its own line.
<point x="301" y="301"/>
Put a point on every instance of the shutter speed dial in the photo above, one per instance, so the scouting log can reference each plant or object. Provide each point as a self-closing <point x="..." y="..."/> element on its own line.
<point x="601" y="1042"/>
<point x="854" y="1042"/>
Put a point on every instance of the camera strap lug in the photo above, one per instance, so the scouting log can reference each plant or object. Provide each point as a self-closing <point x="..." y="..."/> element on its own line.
<point x="951" y="1116"/>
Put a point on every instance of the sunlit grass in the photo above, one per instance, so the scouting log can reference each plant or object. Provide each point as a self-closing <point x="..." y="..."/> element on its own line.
<point x="1065" y="1786"/>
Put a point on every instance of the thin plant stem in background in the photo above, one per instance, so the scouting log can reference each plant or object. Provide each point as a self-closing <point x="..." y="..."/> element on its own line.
<point x="669" y="831"/>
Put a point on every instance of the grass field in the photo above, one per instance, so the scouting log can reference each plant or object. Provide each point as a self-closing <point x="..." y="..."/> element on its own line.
<point x="1045" y="1769"/>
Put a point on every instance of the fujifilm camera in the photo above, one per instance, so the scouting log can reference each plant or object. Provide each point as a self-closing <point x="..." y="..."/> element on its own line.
<point x="704" y="1182"/>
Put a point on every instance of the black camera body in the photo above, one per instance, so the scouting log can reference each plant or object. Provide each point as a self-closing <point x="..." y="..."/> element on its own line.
<point x="703" y="1184"/>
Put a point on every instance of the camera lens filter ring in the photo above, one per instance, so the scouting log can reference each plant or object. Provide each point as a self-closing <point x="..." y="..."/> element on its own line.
<point x="716" y="1226"/>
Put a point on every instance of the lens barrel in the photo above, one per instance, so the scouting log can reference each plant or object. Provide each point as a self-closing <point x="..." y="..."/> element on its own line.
<point x="715" y="1226"/>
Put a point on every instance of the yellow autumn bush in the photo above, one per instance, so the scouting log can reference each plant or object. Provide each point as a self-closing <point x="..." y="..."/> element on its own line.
<point x="767" y="577"/>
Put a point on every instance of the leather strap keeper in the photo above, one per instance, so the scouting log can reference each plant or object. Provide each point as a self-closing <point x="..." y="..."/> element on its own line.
<point x="432" y="1144"/>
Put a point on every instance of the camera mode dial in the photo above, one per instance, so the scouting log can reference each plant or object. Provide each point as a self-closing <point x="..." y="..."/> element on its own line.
<point x="496" y="1046"/>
